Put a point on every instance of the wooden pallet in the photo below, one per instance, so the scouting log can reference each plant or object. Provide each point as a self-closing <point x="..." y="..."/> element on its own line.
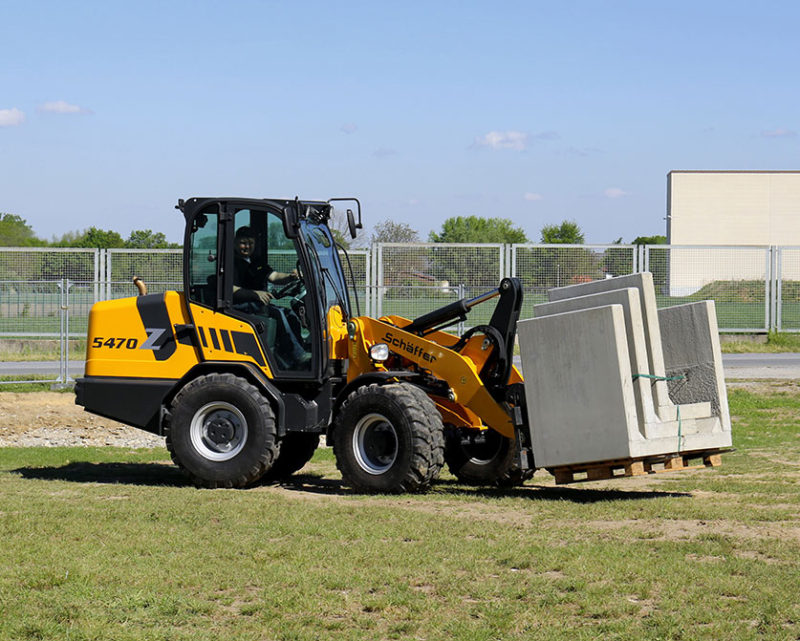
<point x="636" y="467"/>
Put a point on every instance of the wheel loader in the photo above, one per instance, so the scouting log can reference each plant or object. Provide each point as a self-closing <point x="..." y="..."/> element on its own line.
<point x="262" y="354"/>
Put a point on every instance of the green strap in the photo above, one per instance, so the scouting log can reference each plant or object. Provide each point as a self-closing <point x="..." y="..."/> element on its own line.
<point x="678" y="410"/>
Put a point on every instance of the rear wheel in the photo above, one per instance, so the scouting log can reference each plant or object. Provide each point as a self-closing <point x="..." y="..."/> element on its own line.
<point x="222" y="431"/>
<point x="483" y="458"/>
<point x="388" y="439"/>
<point x="297" y="448"/>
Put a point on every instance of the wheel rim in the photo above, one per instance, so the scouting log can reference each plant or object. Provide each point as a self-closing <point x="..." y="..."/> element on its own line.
<point x="375" y="443"/>
<point x="218" y="431"/>
<point x="486" y="452"/>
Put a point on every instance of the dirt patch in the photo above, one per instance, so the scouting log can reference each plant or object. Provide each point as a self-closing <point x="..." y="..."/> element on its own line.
<point x="686" y="529"/>
<point x="764" y="387"/>
<point x="52" y="419"/>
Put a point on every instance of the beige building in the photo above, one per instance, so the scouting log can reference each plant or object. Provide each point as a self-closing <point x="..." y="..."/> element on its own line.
<point x="733" y="208"/>
<point x="719" y="208"/>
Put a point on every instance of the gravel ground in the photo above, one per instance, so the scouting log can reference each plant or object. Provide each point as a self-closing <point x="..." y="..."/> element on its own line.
<point x="51" y="419"/>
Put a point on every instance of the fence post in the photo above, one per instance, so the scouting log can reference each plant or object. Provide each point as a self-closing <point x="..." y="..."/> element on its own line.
<point x="67" y="288"/>
<point x="99" y="269"/>
<point x="63" y="339"/>
<point x="776" y="281"/>
<point x="380" y="281"/>
<point x="367" y="278"/>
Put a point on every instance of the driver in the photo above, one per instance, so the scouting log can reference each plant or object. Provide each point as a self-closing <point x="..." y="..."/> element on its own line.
<point x="250" y="295"/>
<point x="253" y="275"/>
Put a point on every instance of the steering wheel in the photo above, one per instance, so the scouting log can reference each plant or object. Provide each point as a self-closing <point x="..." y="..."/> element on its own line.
<point x="296" y="288"/>
<point x="292" y="289"/>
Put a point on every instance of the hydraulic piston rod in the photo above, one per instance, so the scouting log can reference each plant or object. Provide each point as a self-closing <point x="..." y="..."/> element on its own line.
<point x="456" y="311"/>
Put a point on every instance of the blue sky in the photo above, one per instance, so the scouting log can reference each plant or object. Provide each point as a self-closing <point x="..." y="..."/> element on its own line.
<point x="533" y="111"/>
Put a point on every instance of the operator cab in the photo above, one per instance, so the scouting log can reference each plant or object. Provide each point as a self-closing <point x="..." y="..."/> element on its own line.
<point x="273" y="265"/>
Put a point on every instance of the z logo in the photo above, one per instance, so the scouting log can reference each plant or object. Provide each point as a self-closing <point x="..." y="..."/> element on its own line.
<point x="152" y="342"/>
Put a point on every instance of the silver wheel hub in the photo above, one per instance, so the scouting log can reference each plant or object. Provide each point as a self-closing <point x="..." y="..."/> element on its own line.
<point x="218" y="431"/>
<point x="375" y="443"/>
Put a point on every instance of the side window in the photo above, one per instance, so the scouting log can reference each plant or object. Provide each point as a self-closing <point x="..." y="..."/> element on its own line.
<point x="282" y="252"/>
<point x="203" y="259"/>
<point x="268" y="288"/>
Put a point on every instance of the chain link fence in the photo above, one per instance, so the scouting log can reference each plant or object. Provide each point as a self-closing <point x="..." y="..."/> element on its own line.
<point x="161" y="269"/>
<point x="35" y="312"/>
<point x="357" y="268"/>
<point x="542" y="267"/>
<point x="410" y="280"/>
<point x="787" y="288"/>
<point x="46" y="293"/>
<point x="738" y="279"/>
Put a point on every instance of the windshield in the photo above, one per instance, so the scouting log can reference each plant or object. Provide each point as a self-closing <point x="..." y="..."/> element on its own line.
<point x="323" y="250"/>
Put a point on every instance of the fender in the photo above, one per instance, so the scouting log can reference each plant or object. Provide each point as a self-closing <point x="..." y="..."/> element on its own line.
<point x="381" y="378"/>
<point x="248" y="371"/>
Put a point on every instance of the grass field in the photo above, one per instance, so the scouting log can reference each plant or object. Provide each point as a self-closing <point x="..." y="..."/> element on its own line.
<point x="112" y="544"/>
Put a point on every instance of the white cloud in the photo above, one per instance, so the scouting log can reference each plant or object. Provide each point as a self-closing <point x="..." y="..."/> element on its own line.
<point x="779" y="133"/>
<point x="615" y="192"/>
<point x="62" y="107"/>
<point x="532" y="196"/>
<point x="11" y="117"/>
<point x="516" y="140"/>
<point x="349" y="128"/>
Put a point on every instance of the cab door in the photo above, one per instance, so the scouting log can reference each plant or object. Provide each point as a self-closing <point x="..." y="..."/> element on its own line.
<point x="242" y="268"/>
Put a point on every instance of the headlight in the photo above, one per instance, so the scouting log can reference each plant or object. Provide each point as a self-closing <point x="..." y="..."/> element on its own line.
<point x="379" y="352"/>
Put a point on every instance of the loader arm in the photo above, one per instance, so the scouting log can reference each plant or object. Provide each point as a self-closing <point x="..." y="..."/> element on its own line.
<point x="433" y="355"/>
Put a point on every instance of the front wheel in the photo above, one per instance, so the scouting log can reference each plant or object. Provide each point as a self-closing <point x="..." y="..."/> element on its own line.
<point x="483" y="457"/>
<point x="222" y="431"/>
<point x="388" y="438"/>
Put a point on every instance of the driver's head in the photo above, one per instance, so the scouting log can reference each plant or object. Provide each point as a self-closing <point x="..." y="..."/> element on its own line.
<point x="244" y="242"/>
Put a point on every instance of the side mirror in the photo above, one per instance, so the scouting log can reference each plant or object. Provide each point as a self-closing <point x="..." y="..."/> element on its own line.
<point x="291" y="220"/>
<point x="351" y="223"/>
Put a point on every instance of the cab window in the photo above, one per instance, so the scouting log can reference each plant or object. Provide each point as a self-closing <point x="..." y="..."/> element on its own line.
<point x="203" y="259"/>
<point x="268" y="288"/>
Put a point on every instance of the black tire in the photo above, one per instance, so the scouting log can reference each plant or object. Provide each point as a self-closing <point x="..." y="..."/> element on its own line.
<point x="222" y="432"/>
<point x="388" y="438"/>
<point x="297" y="448"/>
<point x="491" y="460"/>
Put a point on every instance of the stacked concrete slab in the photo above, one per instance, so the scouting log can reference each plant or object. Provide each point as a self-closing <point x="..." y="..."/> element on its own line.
<point x="610" y="377"/>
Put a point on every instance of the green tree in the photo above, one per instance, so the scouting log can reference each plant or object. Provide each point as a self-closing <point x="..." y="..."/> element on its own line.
<point x="92" y="238"/>
<point x="567" y="233"/>
<point x="475" y="229"/>
<point x="650" y="240"/>
<point x="473" y="267"/>
<point x="556" y="267"/>
<point x="147" y="239"/>
<point x="15" y="232"/>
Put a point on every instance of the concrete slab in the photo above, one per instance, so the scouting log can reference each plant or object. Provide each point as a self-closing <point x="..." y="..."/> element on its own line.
<point x="692" y="350"/>
<point x="579" y="394"/>
<point x="628" y="298"/>
<point x="647" y="297"/>
<point x="592" y="360"/>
